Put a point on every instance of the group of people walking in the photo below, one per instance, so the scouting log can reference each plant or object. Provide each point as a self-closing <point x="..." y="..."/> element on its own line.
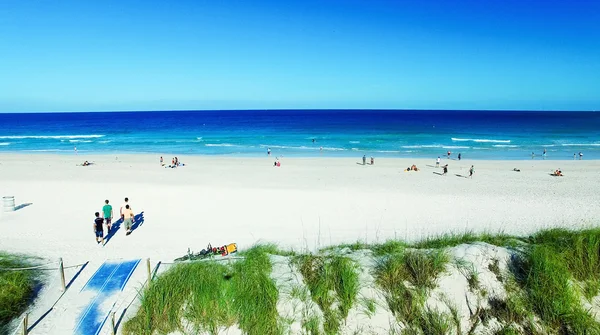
<point x="127" y="216"/>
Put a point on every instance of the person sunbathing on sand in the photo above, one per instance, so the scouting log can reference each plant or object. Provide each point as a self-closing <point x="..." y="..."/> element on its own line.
<point x="414" y="168"/>
<point x="86" y="163"/>
<point x="557" y="173"/>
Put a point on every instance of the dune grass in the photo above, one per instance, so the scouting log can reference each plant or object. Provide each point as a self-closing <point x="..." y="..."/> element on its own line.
<point x="406" y="278"/>
<point x="210" y="296"/>
<point x="550" y="274"/>
<point x="435" y="242"/>
<point x="330" y="279"/>
<point x="255" y="294"/>
<point x="17" y="288"/>
<point x="547" y="272"/>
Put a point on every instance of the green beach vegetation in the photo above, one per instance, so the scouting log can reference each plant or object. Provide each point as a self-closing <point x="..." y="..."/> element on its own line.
<point x="17" y="288"/>
<point x="549" y="283"/>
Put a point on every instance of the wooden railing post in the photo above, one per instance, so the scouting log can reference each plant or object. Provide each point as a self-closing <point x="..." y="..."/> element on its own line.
<point x="61" y="269"/>
<point x="149" y="270"/>
<point x="25" y="324"/>
<point x="112" y="322"/>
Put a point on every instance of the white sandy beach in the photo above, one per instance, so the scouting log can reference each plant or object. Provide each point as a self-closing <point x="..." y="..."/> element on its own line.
<point x="306" y="203"/>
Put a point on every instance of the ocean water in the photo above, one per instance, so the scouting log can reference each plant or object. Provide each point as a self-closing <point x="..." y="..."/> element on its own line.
<point x="338" y="133"/>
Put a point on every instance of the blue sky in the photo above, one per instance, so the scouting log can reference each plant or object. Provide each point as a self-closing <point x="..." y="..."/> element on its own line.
<point x="145" y="55"/>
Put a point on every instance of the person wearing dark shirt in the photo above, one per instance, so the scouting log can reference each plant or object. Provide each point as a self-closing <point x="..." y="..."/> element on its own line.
<point x="98" y="228"/>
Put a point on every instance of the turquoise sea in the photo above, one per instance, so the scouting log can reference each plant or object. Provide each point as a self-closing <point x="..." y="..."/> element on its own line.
<point x="305" y="133"/>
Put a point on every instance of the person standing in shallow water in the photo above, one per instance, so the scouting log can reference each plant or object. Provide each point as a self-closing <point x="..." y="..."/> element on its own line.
<point x="459" y="156"/>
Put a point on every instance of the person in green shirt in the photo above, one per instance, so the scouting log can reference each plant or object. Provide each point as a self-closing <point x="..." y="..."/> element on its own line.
<point x="107" y="211"/>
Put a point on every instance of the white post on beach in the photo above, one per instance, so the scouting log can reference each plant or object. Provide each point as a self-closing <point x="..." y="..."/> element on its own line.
<point x="25" y="324"/>
<point x="61" y="269"/>
<point x="112" y="323"/>
<point x="149" y="271"/>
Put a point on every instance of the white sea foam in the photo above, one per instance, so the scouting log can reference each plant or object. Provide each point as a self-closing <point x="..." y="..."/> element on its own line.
<point x="48" y="150"/>
<point x="505" y="146"/>
<point x="389" y="151"/>
<point x="80" y="141"/>
<point x="479" y="140"/>
<point x="422" y="146"/>
<point x="354" y="142"/>
<point x="50" y="137"/>
<point x="220" y="145"/>
<point x="4" y="143"/>
<point x="455" y="147"/>
<point x="301" y="147"/>
<point x="354" y="149"/>
<point x="199" y="138"/>
<point x="581" y="144"/>
<point x="104" y="142"/>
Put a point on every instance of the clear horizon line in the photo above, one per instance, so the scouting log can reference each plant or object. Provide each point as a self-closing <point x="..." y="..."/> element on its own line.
<point x="309" y="109"/>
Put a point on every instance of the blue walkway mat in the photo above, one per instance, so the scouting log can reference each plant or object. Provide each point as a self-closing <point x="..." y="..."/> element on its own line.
<point x="109" y="279"/>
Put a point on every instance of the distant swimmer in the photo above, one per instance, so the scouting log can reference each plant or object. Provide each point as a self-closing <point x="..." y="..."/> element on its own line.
<point x="268" y="151"/>
<point x="313" y="140"/>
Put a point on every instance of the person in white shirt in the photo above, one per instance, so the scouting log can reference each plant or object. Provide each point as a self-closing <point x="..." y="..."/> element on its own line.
<point x="437" y="162"/>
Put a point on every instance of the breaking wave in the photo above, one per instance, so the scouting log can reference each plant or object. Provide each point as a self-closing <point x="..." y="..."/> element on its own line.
<point x="479" y="140"/>
<point x="58" y="137"/>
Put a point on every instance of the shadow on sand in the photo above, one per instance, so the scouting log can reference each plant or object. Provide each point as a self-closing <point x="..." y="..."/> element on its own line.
<point x="52" y="307"/>
<point x="21" y="206"/>
<point x="116" y="226"/>
<point x="139" y="221"/>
